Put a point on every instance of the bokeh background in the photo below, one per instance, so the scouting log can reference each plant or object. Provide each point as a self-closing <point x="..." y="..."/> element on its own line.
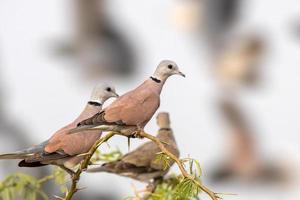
<point x="237" y="111"/>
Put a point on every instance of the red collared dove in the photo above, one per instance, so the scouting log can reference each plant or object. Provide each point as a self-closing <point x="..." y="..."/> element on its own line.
<point x="136" y="107"/>
<point x="142" y="164"/>
<point x="62" y="149"/>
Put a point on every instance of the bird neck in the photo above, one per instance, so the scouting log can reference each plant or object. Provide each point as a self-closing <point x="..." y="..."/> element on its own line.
<point x="159" y="76"/>
<point x="166" y="135"/>
<point x="90" y="110"/>
<point x="94" y="103"/>
<point x="155" y="84"/>
<point x="96" y="99"/>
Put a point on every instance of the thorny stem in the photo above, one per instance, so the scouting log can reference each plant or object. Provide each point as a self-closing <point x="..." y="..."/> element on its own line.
<point x="86" y="161"/>
<point x="210" y="193"/>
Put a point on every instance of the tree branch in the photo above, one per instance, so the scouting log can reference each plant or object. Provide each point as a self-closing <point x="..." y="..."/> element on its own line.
<point x="209" y="192"/>
<point x="179" y="163"/>
<point x="84" y="165"/>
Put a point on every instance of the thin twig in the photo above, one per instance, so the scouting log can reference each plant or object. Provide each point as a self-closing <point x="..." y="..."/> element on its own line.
<point x="85" y="164"/>
<point x="160" y="144"/>
<point x="209" y="192"/>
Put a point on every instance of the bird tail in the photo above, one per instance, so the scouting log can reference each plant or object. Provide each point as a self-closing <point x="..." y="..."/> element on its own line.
<point x="14" y="155"/>
<point x="92" y="127"/>
<point x="97" y="169"/>
<point x="22" y="154"/>
<point x="81" y="128"/>
<point x="106" y="167"/>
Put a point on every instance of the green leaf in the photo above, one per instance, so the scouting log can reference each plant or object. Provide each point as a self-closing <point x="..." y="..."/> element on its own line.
<point x="21" y="185"/>
<point x="186" y="190"/>
<point x="163" y="159"/>
<point x="60" y="178"/>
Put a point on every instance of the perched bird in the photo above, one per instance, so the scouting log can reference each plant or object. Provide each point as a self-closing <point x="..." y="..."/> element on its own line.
<point x="62" y="149"/>
<point x="135" y="108"/>
<point x="142" y="164"/>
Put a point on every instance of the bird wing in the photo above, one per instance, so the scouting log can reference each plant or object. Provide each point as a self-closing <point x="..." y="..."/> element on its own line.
<point x="134" y="108"/>
<point x="72" y="144"/>
<point x="46" y="157"/>
<point x="142" y="156"/>
<point x="146" y="155"/>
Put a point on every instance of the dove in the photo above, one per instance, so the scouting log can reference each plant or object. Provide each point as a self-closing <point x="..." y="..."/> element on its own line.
<point x="133" y="110"/>
<point x="142" y="163"/>
<point x="63" y="149"/>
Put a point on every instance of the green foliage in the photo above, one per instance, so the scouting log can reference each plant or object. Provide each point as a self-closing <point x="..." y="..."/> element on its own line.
<point x="178" y="187"/>
<point x="165" y="190"/>
<point x="60" y="179"/>
<point x="21" y="185"/>
<point x="162" y="158"/>
<point x="186" y="189"/>
<point x="106" y="157"/>
<point x="195" y="168"/>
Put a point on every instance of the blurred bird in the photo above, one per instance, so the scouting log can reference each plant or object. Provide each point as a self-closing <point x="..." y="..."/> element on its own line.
<point x="134" y="108"/>
<point x="238" y="64"/>
<point x="142" y="164"/>
<point x="244" y="161"/>
<point x="63" y="149"/>
<point x="220" y="20"/>
<point x="98" y="47"/>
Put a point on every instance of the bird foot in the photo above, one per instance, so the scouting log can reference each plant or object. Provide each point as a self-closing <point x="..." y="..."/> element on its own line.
<point x="138" y="134"/>
<point x="84" y="169"/>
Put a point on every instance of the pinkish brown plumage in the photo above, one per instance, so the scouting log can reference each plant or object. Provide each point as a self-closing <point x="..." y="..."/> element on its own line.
<point x="62" y="149"/>
<point x="136" y="107"/>
<point x="69" y="143"/>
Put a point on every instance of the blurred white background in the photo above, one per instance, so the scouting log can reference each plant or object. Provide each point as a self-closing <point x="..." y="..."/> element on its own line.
<point x="42" y="93"/>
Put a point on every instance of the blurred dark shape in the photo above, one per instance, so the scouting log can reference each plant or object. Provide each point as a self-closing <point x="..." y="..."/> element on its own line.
<point x="12" y="132"/>
<point x="98" y="46"/>
<point x="17" y="138"/>
<point x="238" y="63"/>
<point x="295" y="26"/>
<point x="245" y="162"/>
<point x="220" y="16"/>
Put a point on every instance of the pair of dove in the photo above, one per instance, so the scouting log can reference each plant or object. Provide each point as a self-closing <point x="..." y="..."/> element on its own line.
<point x="133" y="109"/>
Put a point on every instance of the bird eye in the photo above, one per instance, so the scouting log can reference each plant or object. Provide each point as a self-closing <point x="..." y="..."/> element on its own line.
<point x="170" y="66"/>
<point x="108" y="89"/>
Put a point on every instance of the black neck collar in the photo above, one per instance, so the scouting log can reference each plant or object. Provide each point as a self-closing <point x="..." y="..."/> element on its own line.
<point x="155" y="79"/>
<point x="94" y="103"/>
<point x="165" y="129"/>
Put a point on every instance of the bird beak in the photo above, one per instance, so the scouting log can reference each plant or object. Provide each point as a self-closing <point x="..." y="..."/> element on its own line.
<point x="116" y="95"/>
<point x="180" y="73"/>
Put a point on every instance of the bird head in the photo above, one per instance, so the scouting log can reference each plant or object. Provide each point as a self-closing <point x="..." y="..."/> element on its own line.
<point x="165" y="69"/>
<point x="102" y="92"/>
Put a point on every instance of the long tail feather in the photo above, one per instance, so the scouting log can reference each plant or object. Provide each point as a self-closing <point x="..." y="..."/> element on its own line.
<point x="22" y="154"/>
<point x="15" y="155"/>
<point x="97" y="169"/>
<point x="91" y="127"/>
